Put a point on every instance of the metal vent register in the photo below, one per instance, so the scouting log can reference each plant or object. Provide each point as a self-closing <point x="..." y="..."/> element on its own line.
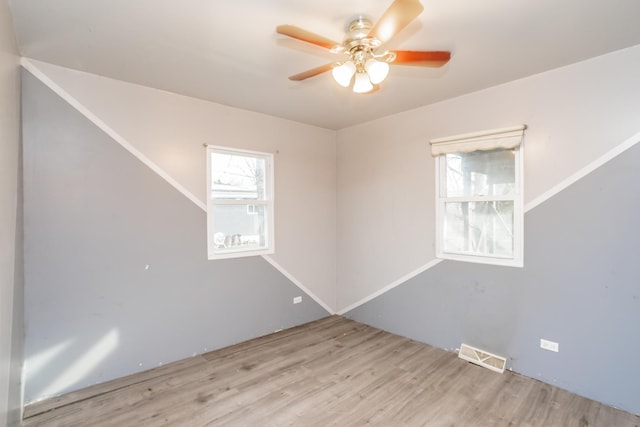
<point x="482" y="358"/>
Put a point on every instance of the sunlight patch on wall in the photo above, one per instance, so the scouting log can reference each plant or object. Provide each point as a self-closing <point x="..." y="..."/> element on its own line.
<point x="84" y="365"/>
<point x="34" y="364"/>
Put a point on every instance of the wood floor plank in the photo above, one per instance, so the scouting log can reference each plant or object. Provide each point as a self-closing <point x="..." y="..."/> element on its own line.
<point x="332" y="372"/>
<point x="110" y="386"/>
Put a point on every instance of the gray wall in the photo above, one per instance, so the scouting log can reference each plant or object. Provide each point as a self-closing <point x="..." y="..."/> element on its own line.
<point x="11" y="284"/>
<point x="15" y="402"/>
<point x="580" y="287"/>
<point x="95" y="218"/>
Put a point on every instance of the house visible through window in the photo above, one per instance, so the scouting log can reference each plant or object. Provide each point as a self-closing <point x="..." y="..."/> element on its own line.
<point x="479" y="215"/>
<point x="239" y="203"/>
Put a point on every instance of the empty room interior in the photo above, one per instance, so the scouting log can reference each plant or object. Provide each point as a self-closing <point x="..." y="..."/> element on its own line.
<point x="279" y="213"/>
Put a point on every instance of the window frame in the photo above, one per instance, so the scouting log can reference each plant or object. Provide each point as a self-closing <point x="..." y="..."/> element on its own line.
<point x="268" y="203"/>
<point x="518" y="215"/>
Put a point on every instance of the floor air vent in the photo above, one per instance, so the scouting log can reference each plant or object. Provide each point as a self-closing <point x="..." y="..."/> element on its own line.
<point x="482" y="358"/>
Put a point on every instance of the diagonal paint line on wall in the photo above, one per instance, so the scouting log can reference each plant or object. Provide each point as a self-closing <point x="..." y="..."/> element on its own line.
<point x="297" y="283"/>
<point x="565" y="183"/>
<point x="33" y="69"/>
<point x="82" y="109"/>
<point x="575" y="177"/>
<point x="392" y="285"/>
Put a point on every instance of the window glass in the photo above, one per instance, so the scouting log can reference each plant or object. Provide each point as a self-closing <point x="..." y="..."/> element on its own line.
<point x="237" y="229"/>
<point x="235" y="177"/>
<point x="479" y="206"/>
<point x="239" y="203"/>
<point x="480" y="173"/>
<point x="480" y="228"/>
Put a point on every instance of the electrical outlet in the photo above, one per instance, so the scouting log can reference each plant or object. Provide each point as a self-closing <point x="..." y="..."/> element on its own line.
<point x="297" y="300"/>
<point x="549" y="345"/>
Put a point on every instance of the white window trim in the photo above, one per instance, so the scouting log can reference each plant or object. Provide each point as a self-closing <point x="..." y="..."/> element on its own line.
<point x="505" y="138"/>
<point x="269" y="203"/>
<point x="514" y="136"/>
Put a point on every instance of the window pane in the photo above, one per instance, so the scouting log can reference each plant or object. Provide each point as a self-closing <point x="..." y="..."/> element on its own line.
<point x="240" y="227"/>
<point x="482" y="228"/>
<point x="237" y="177"/>
<point x="480" y="173"/>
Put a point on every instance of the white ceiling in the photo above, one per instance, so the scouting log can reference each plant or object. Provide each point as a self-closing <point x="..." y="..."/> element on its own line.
<point x="227" y="51"/>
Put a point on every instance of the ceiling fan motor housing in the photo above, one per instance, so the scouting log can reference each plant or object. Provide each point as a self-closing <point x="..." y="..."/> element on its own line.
<point x="357" y="40"/>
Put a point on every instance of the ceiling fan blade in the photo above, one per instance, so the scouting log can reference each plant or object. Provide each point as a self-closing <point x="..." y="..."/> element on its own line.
<point x="312" y="72"/>
<point x="421" y="58"/>
<point x="395" y="18"/>
<point x="305" y="36"/>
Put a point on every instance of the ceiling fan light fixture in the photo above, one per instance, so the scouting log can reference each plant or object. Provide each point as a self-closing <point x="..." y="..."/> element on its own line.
<point x="365" y="64"/>
<point x="343" y="73"/>
<point x="362" y="83"/>
<point x="377" y="70"/>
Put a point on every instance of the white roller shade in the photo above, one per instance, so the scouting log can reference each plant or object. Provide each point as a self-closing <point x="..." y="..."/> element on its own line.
<point x="505" y="138"/>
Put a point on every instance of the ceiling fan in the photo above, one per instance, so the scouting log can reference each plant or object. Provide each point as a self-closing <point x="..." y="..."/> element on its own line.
<point x="363" y="50"/>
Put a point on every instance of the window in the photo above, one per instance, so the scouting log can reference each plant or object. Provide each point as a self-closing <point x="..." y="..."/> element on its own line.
<point x="239" y="203"/>
<point x="479" y="215"/>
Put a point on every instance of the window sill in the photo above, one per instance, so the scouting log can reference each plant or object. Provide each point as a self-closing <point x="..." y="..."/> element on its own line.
<point x="477" y="259"/>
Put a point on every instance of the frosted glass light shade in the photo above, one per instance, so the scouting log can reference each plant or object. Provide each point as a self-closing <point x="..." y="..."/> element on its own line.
<point x="362" y="83"/>
<point x="377" y="70"/>
<point x="342" y="74"/>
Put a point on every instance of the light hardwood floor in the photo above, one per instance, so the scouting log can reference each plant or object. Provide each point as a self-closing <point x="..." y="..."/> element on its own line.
<point x="332" y="372"/>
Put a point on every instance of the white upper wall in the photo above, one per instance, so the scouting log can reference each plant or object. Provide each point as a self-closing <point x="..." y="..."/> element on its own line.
<point x="9" y="149"/>
<point x="171" y="129"/>
<point x="386" y="211"/>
